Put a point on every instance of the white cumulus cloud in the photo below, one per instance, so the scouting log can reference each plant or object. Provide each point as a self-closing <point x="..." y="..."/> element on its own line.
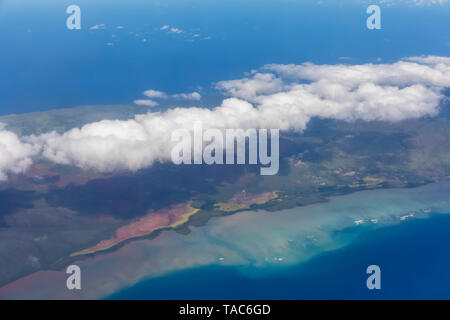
<point x="155" y="94"/>
<point x="176" y="30"/>
<point x="283" y="97"/>
<point x="98" y="26"/>
<point x="146" y="102"/>
<point x="15" y="155"/>
<point x="187" y="96"/>
<point x="249" y="88"/>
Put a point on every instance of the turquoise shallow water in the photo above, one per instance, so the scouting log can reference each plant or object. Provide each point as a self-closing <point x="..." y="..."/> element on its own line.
<point x="318" y="251"/>
<point x="414" y="258"/>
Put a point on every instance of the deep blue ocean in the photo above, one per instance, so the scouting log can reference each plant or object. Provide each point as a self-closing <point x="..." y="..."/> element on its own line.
<point x="43" y="65"/>
<point x="414" y="258"/>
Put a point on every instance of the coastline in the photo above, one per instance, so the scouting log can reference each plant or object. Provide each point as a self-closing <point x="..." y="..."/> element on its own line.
<point x="338" y="274"/>
<point x="252" y="240"/>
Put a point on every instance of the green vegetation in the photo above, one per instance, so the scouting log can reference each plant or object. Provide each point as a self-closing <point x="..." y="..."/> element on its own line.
<point x="330" y="158"/>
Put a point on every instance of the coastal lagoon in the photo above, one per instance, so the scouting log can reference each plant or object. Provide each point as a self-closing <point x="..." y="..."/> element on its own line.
<point x="404" y="252"/>
<point x="306" y="246"/>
